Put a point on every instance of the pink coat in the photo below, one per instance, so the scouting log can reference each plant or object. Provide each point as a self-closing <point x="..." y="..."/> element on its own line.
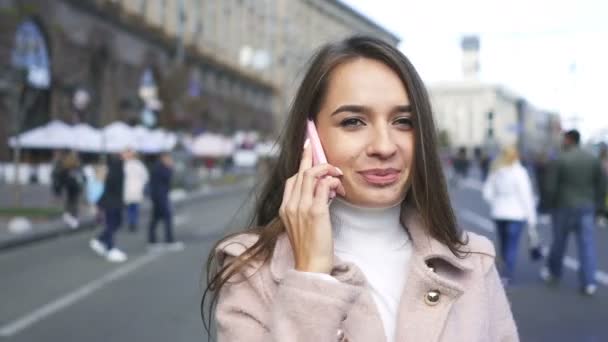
<point x="446" y="298"/>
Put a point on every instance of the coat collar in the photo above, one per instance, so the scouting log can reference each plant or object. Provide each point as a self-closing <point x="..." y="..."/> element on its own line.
<point x="426" y="248"/>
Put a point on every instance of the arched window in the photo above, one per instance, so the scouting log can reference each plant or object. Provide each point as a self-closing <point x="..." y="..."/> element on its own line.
<point x="148" y="92"/>
<point x="31" y="53"/>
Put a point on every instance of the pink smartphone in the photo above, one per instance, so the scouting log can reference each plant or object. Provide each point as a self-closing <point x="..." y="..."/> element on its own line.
<point x="318" y="156"/>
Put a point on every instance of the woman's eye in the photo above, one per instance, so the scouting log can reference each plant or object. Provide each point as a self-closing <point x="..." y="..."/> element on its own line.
<point x="351" y="122"/>
<point x="405" y="122"/>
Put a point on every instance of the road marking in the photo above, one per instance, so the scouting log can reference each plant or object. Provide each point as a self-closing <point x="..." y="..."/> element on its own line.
<point x="487" y="225"/>
<point x="71" y="298"/>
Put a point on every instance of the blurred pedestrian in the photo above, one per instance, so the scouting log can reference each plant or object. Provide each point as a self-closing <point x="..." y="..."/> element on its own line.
<point x="160" y="187"/>
<point x="575" y="185"/>
<point x="540" y="170"/>
<point x="136" y="178"/>
<point x="484" y="165"/>
<point x="603" y="211"/>
<point x="508" y="190"/>
<point x="70" y="181"/>
<point x="461" y="165"/>
<point x="94" y="188"/>
<point x="112" y="203"/>
<point x="56" y="185"/>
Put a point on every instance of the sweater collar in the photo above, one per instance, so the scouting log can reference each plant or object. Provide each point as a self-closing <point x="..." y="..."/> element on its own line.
<point x="361" y="229"/>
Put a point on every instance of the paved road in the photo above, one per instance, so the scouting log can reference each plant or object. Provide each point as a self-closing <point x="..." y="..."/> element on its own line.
<point x="59" y="291"/>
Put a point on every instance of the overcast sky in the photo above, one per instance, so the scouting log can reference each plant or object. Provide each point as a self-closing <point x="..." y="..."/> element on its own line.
<point x="553" y="53"/>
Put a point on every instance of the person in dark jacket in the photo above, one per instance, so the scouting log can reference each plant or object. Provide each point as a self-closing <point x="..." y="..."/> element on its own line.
<point x="159" y="188"/>
<point x="575" y="186"/>
<point x="69" y="177"/>
<point x="112" y="203"/>
<point x="460" y="165"/>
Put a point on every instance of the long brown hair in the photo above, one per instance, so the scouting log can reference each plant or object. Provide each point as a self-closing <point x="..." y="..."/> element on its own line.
<point x="428" y="193"/>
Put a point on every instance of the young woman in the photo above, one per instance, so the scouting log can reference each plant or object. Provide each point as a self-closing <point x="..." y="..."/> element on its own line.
<point x="508" y="190"/>
<point x="383" y="261"/>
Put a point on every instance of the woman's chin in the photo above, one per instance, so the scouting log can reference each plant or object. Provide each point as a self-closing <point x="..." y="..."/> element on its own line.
<point x="376" y="199"/>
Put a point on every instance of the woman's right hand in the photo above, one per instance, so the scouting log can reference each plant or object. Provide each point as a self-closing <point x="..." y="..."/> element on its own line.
<point x="305" y="213"/>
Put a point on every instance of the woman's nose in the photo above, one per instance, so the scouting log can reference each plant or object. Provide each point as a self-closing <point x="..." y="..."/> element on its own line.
<point x="382" y="144"/>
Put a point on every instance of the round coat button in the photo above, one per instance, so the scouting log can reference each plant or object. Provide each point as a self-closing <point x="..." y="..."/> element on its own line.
<point x="432" y="297"/>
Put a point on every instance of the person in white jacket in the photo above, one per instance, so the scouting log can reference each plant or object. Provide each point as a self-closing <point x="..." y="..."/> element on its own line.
<point x="508" y="190"/>
<point x="136" y="178"/>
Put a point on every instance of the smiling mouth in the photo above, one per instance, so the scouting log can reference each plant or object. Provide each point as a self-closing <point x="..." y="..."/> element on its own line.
<point x="380" y="177"/>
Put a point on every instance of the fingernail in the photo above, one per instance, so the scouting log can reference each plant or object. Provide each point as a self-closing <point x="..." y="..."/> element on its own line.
<point x="339" y="171"/>
<point x="306" y="143"/>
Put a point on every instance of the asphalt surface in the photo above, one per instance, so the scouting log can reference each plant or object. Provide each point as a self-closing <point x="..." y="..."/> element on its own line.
<point x="58" y="290"/>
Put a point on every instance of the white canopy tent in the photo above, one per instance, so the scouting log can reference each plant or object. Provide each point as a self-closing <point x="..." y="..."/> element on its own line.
<point x="115" y="137"/>
<point x="118" y="136"/>
<point x="210" y="145"/>
<point x="86" y="138"/>
<point x="54" y="135"/>
<point x="155" y="141"/>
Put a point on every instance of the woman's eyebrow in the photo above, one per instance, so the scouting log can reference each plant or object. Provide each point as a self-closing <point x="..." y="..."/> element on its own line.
<point x="363" y="109"/>
<point x="351" y="108"/>
<point x="403" y="109"/>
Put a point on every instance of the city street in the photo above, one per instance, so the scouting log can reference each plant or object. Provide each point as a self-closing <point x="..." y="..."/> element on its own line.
<point x="58" y="290"/>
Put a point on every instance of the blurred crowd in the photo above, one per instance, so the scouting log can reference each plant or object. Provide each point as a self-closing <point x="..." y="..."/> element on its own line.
<point x="116" y="188"/>
<point x="569" y="187"/>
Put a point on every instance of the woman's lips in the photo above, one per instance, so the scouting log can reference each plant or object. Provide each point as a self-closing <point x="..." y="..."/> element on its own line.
<point x="380" y="176"/>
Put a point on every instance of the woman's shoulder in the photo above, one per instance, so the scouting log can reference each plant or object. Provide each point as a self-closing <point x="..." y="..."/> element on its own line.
<point x="481" y="248"/>
<point x="236" y="245"/>
<point x="233" y="249"/>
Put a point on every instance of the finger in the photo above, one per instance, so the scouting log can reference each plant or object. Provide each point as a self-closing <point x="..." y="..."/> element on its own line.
<point x="286" y="196"/>
<point x="306" y="160"/>
<point x="324" y="187"/>
<point x="288" y="190"/>
<point x="305" y="163"/>
<point x="340" y="190"/>
<point x="311" y="177"/>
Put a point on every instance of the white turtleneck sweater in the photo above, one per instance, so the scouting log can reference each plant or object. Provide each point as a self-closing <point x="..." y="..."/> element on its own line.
<point x="375" y="241"/>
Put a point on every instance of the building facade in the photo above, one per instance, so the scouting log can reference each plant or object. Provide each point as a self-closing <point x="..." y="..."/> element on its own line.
<point x="477" y="115"/>
<point x="220" y="65"/>
<point x="474" y="115"/>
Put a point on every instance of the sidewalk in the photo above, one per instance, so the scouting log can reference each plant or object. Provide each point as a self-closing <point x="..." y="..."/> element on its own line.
<point x="57" y="227"/>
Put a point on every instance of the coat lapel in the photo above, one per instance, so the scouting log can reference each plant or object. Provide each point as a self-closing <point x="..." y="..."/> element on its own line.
<point x="436" y="279"/>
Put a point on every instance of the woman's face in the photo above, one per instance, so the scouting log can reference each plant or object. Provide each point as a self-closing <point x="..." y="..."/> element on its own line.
<point x="366" y="128"/>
